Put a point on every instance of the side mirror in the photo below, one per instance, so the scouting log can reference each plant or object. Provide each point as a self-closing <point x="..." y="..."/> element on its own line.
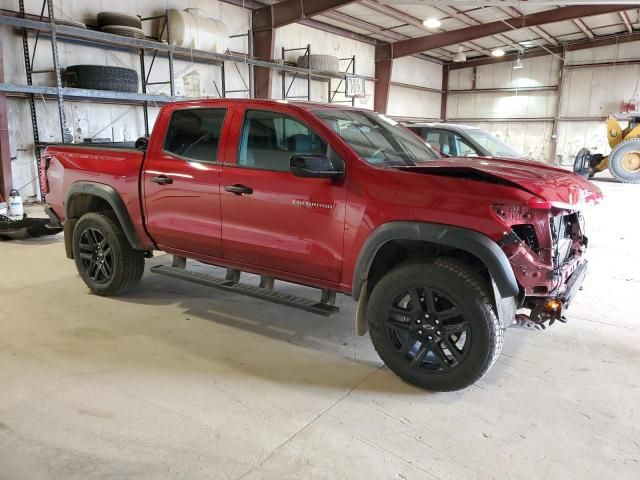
<point x="142" y="143"/>
<point x="314" y="166"/>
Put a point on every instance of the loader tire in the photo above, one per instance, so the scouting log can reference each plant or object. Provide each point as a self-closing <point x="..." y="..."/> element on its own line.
<point x="624" y="161"/>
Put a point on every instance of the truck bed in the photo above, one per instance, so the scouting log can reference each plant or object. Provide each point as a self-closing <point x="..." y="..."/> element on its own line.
<point x="116" y="165"/>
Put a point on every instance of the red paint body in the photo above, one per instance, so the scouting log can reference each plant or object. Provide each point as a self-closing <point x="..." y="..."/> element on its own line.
<point x="279" y="230"/>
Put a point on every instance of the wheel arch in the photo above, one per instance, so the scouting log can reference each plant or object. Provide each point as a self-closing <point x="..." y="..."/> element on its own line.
<point x="385" y="242"/>
<point x="86" y="197"/>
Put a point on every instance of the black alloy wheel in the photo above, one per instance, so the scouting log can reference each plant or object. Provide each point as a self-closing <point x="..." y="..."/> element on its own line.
<point x="434" y="323"/>
<point x="428" y="329"/>
<point x="96" y="255"/>
<point x="104" y="257"/>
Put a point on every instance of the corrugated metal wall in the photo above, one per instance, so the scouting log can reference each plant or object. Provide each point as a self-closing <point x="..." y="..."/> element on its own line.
<point x="588" y="95"/>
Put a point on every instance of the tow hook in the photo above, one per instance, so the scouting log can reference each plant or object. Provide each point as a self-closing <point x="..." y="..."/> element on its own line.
<point x="549" y="311"/>
<point x="524" y="321"/>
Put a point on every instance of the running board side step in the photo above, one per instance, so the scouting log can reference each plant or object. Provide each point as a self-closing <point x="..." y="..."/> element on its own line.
<point x="267" y="294"/>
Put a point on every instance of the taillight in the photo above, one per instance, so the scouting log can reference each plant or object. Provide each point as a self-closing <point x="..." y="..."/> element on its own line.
<point x="44" y="181"/>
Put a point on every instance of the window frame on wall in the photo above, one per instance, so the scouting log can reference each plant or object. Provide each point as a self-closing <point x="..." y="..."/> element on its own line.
<point x="216" y="160"/>
<point x="244" y="139"/>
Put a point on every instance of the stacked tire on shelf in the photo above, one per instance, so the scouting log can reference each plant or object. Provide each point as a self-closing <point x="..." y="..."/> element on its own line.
<point x="323" y="63"/>
<point x="102" y="77"/>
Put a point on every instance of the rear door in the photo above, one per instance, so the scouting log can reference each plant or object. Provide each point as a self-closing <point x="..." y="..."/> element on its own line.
<point x="181" y="180"/>
<point x="272" y="218"/>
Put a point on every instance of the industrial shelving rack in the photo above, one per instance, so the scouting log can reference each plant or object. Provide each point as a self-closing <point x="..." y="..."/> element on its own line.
<point x="350" y="69"/>
<point x="30" y="24"/>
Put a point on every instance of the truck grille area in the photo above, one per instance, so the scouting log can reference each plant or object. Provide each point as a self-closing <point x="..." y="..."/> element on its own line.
<point x="527" y="234"/>
<point x="543" y="246"/>
<point x="564" y="229"/>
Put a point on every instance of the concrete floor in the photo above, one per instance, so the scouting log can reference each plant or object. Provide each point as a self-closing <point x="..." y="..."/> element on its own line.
<point x="175" y="380"/>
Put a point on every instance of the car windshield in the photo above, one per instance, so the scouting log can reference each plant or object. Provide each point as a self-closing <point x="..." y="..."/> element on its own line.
<point x="376" y="138"/>
<point x="495" y="146"/>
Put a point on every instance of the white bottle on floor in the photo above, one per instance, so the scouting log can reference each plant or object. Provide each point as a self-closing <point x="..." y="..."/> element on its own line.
<point x="16" y="209"/>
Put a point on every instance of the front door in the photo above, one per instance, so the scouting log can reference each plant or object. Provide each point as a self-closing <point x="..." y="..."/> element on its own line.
<point x="181" y="182"/>
<point x="271" y="218"/>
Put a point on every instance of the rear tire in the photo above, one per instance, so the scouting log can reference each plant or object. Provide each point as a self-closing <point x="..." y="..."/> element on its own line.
<point x="104" y="258"/>
<point x="434" y="324"/>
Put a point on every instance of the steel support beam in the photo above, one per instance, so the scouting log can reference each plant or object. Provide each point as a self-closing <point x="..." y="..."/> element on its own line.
<point x="468" y="20"/>
<point x="537" y="30"/>
<point x="582" y="26"/>
<point x="383" y="85"/>
<point x="443" y="97"/>
<point x="6" y="180"/>
<point x="556" y="117"/>
<point x="263" y="44"/>
<point x="627" y="23"/>
<point x="290" y="11"/>
<point x="539" y="52"/>
<point x="401" y="16"/>
<point x="309" y="22"/>
<point x="437" y="40"/>
<point x="378" y="30"/>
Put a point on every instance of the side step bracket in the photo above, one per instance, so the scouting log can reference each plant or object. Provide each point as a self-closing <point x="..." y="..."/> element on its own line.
<point x="267" y="294"/>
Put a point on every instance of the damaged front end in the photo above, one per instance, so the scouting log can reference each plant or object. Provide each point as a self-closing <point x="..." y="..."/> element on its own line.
<point x="546" y="248"/>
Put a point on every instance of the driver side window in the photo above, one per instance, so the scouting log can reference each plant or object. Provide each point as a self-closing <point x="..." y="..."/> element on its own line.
<point x="269" y="139"/>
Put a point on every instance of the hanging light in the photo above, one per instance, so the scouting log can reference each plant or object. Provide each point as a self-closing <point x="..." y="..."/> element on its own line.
<point x="497" y="52"/>
<point x="518" y="63"/>
<point x="432" y="23"/>
<point x="459" y="56"/>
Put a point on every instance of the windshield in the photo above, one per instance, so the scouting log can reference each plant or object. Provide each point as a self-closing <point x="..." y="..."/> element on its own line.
<point x="376" y="138"/>
<point x="495" y="146"/>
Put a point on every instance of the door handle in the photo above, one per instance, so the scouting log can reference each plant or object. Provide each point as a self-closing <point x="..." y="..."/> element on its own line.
<point x="162" y="180"/>
<point x="239" y="189"/>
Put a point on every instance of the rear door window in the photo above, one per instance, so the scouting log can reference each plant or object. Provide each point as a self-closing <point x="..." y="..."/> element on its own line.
<point x="194" y="133"/>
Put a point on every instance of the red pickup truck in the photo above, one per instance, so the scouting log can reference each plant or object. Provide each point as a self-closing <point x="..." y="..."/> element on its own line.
<point x="439" y="253"/>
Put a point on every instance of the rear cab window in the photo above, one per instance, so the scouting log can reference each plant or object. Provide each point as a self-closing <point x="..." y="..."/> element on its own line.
<point x="194" y="133"/>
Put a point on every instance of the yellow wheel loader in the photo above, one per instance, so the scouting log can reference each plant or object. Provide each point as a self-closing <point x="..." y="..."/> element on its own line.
<point x="623" y="161"/>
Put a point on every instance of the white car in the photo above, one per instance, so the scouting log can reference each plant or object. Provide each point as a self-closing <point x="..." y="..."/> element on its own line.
<point x="456" y="140"/>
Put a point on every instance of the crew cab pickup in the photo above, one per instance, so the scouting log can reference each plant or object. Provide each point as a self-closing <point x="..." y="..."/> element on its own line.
<point x="440" y="254"/>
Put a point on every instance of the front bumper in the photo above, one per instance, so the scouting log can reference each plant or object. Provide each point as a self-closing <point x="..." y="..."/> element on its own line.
<point x="553" y="308"/>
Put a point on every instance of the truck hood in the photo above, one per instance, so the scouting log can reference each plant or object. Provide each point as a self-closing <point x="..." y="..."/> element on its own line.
<point x="560" y="188"/>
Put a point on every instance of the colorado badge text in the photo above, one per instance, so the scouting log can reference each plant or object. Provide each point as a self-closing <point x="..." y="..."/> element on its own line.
<point x="305" y="203"/>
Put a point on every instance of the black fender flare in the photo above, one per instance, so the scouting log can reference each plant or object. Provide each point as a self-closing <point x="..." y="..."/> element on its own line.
<point x="475" y="243"/>
<point x="113" y="198"/>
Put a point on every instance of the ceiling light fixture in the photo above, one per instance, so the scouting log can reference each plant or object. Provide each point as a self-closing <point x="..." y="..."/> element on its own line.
<point x="459" y="56"/>
<point x="432" y="23"/>
<point x="497" y="52"/>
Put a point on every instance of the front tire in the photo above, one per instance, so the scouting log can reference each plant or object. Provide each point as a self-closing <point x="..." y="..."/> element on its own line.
<point x="434" y="324"/>
<point x="104" y="258"/>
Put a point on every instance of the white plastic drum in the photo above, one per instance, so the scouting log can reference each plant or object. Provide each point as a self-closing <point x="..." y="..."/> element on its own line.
<point x="192" y="28"/>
